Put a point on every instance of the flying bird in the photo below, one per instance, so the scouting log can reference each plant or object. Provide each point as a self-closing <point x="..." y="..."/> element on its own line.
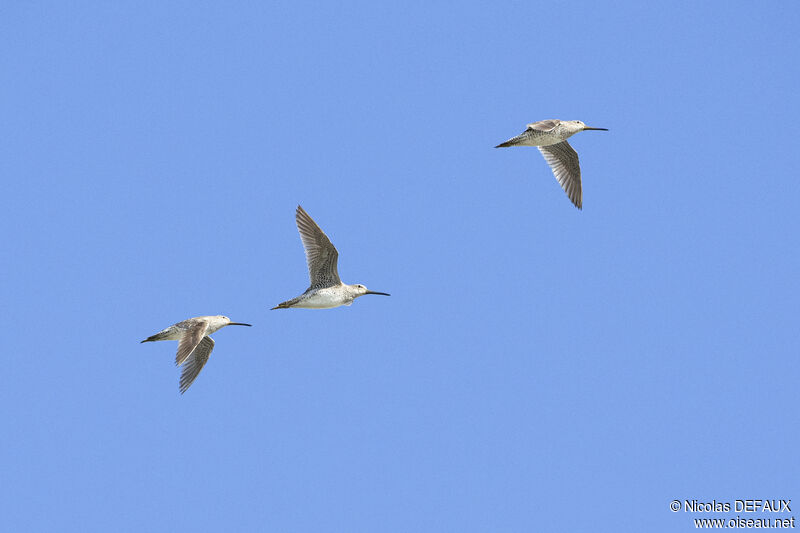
<point x="326" y="290"/>
<point x="194" y="343"/>
<point x="550" y="136"/>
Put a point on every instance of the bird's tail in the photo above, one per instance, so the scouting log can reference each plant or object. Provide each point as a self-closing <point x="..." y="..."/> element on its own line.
<point x="157" y="337"/>
<point x="516" y="141"/>
<point x="287" y="304"/>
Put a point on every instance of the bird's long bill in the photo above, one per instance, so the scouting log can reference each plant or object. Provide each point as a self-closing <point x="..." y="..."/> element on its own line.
<point x="598" y="129"/>
<point x="239" y="324"/>
<point x="381" y="293"/>
<point x="512" y="141"/>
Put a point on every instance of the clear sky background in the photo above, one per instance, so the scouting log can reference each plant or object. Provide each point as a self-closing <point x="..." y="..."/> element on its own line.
<point x="537" y="368"/>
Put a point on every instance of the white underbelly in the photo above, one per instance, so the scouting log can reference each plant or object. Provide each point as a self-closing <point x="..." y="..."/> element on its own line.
<point x="324" y="299"/>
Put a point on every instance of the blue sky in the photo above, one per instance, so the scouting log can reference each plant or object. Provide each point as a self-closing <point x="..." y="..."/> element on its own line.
<point x="537" y="368"/>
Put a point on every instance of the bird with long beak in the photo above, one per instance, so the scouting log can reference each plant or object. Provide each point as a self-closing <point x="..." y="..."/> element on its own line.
<point x="326" y="290"/>
<point x="194" y="343"/>
<point x="550" y="136"/>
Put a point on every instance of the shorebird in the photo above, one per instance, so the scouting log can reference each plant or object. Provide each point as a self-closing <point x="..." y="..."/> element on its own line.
<point x="550" y="136"/>
<point x="194" y="343"/>
<point x="326" y="290"/>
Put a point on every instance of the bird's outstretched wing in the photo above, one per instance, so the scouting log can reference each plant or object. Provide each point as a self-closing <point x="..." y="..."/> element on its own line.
<point x="544" y="125"/>
<point x="195" y="331"/>
<point x="195" y="363"/>
<point x="321" y="255"/>
<point x="564" y="162"/>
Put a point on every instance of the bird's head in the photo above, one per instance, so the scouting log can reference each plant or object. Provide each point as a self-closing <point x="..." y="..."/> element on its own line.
<point x="577" y="125"/>
<point x="227" y="321"/>
<point x="362" y="290"/>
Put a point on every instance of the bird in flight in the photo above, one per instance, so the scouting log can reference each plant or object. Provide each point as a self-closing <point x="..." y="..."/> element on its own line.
<point x="326" y="290"/>
<point x="550" y="136"/>
<point x="194" y="343"/>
